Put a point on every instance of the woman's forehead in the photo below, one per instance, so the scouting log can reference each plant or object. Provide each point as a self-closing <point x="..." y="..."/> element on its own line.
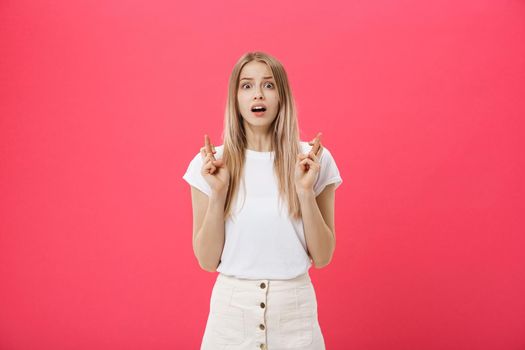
<point x="255" y="69"/>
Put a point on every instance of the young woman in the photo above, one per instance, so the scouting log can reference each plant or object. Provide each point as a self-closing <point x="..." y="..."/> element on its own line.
<point x="263" y="210"/>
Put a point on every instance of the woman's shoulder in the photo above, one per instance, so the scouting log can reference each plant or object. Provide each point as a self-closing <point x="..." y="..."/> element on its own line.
<point x="306" y="147"/>
<point x="219" y="151"/>
<point x="219" y="148"/>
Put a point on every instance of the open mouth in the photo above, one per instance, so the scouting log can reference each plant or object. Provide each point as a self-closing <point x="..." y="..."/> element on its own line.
<point x="258" y="109"/>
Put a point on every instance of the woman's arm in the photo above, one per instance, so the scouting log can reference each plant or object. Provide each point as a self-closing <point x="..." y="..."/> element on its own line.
<point x="208" y="228"/>
<point x="318" y="222"/>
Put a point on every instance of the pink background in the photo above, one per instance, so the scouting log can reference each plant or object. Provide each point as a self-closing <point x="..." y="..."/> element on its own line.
<point x="104" y="103"/>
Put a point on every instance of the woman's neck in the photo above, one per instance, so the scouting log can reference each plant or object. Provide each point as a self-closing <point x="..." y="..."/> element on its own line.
<point x="258" y="141"/>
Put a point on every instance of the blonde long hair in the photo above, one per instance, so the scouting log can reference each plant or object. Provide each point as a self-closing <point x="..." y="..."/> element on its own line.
<point x="285" y="135"/>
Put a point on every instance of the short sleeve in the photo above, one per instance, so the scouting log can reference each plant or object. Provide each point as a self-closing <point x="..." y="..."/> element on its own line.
<point x="194" y="177"/>
<point x="329" y="173"/>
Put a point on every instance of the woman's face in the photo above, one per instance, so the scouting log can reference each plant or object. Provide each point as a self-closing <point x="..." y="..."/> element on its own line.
<point x="257" y="88"/>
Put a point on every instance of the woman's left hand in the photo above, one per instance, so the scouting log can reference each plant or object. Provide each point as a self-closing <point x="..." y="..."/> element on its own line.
<point x="307" y="166"/>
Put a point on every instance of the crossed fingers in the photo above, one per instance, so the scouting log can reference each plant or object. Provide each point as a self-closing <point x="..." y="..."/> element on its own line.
<point x="207" y="152"/>
<point x="208" y="148"/>
<point x="316" y="150"/>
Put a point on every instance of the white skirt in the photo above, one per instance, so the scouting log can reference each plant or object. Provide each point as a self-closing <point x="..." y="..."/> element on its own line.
<point x="263" y="314"/>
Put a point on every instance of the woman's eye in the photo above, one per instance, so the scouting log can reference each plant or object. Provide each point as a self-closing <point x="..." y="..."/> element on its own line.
<point x="247" y="84"/>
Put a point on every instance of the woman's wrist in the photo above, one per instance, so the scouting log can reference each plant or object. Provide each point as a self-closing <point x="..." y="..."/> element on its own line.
<point x="219" y="195"/>
<point x="305" y="193"/>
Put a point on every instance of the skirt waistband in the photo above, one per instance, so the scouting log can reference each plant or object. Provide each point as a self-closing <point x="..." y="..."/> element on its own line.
<point x="241" y="283"/>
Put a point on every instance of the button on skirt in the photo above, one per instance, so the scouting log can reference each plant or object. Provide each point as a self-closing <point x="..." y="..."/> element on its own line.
<point x="263" y="314"/>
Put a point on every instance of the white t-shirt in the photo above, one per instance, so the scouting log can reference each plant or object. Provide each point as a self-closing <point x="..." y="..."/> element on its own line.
<point x="261" y="240"/>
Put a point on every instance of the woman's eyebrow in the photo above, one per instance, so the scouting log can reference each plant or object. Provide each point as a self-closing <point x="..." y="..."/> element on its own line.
<point x="252" y="78"/>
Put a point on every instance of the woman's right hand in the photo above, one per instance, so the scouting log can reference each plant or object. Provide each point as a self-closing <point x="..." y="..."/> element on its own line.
<point x="214" y="170"/>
